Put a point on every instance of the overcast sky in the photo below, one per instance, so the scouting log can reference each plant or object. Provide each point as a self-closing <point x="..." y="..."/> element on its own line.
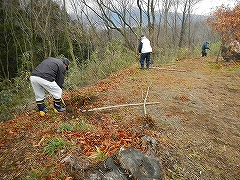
<point x="206" y="6"/>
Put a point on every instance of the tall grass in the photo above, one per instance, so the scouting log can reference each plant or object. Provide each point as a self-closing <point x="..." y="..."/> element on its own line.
<point x="171" y="55"/>
<point x="14" y="95"/>
<point x="111" y="58"/>
<point x="54" y="145"/>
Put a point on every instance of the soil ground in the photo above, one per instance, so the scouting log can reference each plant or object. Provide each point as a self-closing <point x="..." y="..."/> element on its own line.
<point x="196" y="122"/>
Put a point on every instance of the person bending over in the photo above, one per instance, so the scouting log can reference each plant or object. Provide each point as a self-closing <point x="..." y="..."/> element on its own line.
<point x="49" y="75"/>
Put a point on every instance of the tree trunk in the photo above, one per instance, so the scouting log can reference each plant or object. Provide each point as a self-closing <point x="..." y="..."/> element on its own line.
<point x="67" y="33"/>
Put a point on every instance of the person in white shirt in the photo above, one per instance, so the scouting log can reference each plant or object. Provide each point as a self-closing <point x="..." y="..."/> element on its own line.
<point x="145" y="49"/>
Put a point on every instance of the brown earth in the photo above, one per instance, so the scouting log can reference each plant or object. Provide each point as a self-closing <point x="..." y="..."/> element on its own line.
<point x="197" y="123"/>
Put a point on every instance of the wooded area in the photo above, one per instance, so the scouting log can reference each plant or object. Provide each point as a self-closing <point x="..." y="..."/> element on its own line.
<point x="35" y="29"/>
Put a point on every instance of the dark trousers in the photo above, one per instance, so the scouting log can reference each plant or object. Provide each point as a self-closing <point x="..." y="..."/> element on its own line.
<point x="204" y="53"/>
<point x="145" y="56"/>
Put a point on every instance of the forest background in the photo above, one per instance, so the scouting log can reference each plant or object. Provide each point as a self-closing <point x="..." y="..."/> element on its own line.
<point x="99" y="37"/>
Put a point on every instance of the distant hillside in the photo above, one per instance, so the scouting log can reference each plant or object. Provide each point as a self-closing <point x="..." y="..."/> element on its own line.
<point x="135" y="13"/>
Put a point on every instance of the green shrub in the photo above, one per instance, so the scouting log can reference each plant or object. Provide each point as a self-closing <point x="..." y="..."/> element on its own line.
<point x="66" y="127"/>
<point x="54" y="145"/>
<point x="14" y="95"/>
<point x="83" y="126"/>
<point x="77" y="124"/>
<point x="113" y="57"/>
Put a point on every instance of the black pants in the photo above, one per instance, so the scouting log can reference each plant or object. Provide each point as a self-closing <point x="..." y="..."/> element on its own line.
<point x="204" y="53"/>
<point x="145" y="56"/>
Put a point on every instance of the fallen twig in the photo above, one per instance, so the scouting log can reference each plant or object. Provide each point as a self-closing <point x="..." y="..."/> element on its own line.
<point x="144" y="103"/>
<point x="168" y="69"/>
<point x="145" y="100"/>
<point x="117" y="106"/>
<point x="64" y="105"/>
<point x="39" y="143"/>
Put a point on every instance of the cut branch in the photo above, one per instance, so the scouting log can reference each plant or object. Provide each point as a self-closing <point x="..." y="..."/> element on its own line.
<point x="145" y="100"/>
<point x="39" y="143"/>
<point x="168" y="69"/>
<point x="121" y="105"/>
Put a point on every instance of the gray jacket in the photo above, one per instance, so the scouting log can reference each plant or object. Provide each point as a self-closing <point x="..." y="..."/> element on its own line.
<point x="51" y="69"/>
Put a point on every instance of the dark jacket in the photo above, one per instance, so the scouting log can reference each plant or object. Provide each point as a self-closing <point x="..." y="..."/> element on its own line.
<point x="51" y="69"/>
<point x="140" y="47"/>
<point x="205" y="46"/>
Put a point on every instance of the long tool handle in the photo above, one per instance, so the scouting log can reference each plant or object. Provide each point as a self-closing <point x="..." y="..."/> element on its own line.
<point x="63" y="102"/>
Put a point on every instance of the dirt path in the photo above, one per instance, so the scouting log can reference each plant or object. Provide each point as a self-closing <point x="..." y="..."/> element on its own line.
<point x="197" y="122"/>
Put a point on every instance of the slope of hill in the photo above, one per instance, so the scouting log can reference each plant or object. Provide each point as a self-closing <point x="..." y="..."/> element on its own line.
<point x="196" y="123"/>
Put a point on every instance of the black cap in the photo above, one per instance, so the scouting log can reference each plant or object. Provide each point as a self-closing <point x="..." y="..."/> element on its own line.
<point x="66" y="62"/>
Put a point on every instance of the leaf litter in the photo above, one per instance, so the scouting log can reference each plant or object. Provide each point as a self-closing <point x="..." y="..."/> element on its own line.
<point x="196" y="123"/>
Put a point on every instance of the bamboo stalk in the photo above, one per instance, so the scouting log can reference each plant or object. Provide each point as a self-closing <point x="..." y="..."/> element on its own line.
<point x="117" y="106"/>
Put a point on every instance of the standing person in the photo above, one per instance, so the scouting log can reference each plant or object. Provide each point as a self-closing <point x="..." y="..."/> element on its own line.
<point x="204" y="47"/>
<point x="145" y="49"/>
<point x="49" y="75"/>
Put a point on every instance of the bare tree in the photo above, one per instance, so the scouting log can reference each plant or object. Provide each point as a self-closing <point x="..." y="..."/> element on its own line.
<point x="67" y="32"/>
<point x="12" y="39"/>
<point x="115" y="15"/>
<point x="140" y="16"/>
<point x="187" y="6"/>
<point x="148" y="8"/>
<point x="166" y="7"/>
